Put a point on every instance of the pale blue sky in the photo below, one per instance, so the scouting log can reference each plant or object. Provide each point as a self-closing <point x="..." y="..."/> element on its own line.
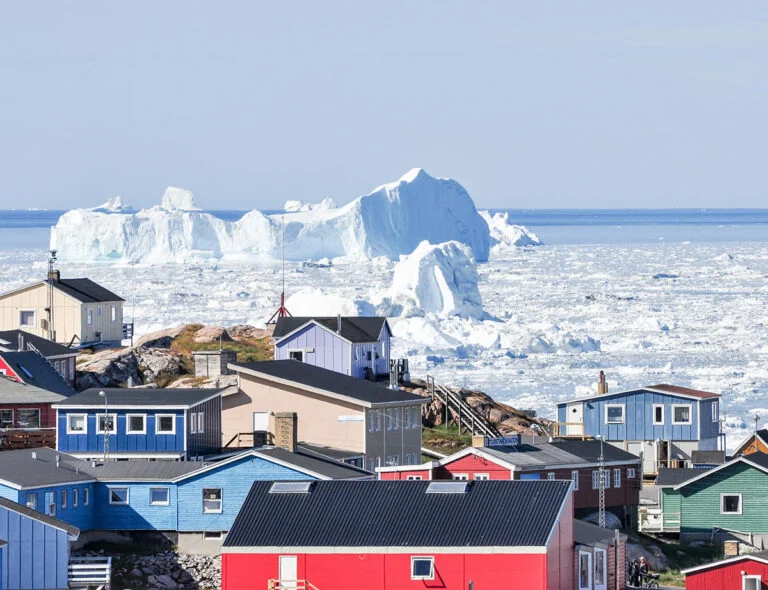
<point x="247" y="104"/>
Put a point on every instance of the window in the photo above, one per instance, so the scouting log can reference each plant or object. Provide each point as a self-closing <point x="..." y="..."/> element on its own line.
<point x="617" y="478"/>
<point x="158" y="496"/>
<point x="614" y="413"/>
<point x="751" y="582"/>
<point x="98" y="311"/>
<point x="631" y="473"/>
<point x="595" y="480"/>
<point x="90" y="317"/>
<point x="75" y="498"/>
<point x="118" y="495"/>
<point x="550" y="475"/>
<point x="63" y="498"/>
<point x="6" y="418"/>
<point x="607" y="478"/>
<point x="212" y="500"/>
<point x="406" y="418"/>
<point x="585" y="570"/>
<point x="460" y="477"/>
<point x="76" y="424"/>
<point x="296" y="355"/>
<point x="658" y="414"/>
<point x="114" y="313"/>
<point x="200" y="423"/>
<point x="28" y="418"/>
<point x="396" y="414"/>
<point x="213" y="535"/>
<point x="193" y="423"/>
<point x="27" y="318"/>
<point x="50" y="503"/>
<point x="106" y="422"/>
<point x="600" y="568"/>
<point x="137" y="424"/>
<point x="413" y="478"/>
<point x="481" y="477"/>
<point x="32" y="501"/>
<point x="86" y="496"/>
<point x="575" y="479"/>
<point x="422" y="568"/>
<point x="166" y="424"/>
<point x="715" y="412"/>
<point x="730" y="503"/>
<point x="390" y="419"/>
<point x="393" y="460"/>
<point x="371" y="421"/>
<point x="681" y="414"/>
<point x="378" y="420"/>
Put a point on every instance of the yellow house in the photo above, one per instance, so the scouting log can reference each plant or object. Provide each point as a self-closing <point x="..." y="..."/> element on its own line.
<point x="64" y="310"/>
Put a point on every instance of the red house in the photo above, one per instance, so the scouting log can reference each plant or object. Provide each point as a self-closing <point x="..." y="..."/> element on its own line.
<point x="61" y="357"/>
<point x="743" y="572"/>
<point x="394" y="535"/>
<point x="573" y="460"/>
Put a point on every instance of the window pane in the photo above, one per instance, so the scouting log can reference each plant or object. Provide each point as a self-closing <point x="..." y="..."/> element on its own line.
<point x="731" y="503"/>
<point x="615" y="413"/>
<point x="136" y="424"/>
<point x="28" y="418"/>
<point x="158" y="496"/>
<point x="583" y="570"/>
<point x="165" y="424"/>
<point x="118" y="495"/>
<point x="6" y="418"/>
<point x="27" y="318"/>
<point x="682" y="414"/>
<point x="422" y="568"/>
<point x="599" y="565"/>
<point x="658" y="413"/>
<point x="106" y="422"/>
<point x="77" y="423"/>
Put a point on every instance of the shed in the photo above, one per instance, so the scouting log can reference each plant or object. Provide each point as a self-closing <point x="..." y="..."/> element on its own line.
<point x="743" y="572"/>
<point x="213" y="363"/>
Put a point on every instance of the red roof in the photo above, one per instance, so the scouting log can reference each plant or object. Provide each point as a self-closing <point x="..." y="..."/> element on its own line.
<point x="684" y="391"/>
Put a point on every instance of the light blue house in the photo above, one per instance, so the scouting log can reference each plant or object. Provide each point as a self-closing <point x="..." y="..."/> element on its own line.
<point x="356" y="346"/>
<point x="663" y="423"/>
<point x="35" y="551"/>
<point x="180" y="424"/>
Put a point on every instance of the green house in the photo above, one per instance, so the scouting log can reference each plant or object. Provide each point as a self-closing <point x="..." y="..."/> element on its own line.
<point x="729" y="501"/>
<point x="665" y="518"/>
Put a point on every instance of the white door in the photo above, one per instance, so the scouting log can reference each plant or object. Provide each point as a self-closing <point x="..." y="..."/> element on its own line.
<point x="574" y="416"/>
<point x="261" y="421"/>
<point x="288" y="572"/>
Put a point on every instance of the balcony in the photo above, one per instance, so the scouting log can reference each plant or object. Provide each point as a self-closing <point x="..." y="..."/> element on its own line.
<point x="27" y="438"/>
<point x="654" y="520"/>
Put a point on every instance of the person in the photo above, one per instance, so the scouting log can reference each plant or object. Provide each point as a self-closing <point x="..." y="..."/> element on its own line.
<point x="634" y="573"/>
<point x="642" y="570"/>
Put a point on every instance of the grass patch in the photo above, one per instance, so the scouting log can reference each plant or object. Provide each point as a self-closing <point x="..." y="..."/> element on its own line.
<point x="248" y="350"/>
<point x="682" y="557"/>
<point x="445" y="440"/>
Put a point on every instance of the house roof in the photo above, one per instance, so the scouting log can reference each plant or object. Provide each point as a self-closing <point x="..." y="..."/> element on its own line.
<point x="20" y="470"/>
<point x="332" y="452"/>
<point x="586" y="533"/>
<point x="140" y="397"/>
<point x="35" y="370"/>
<point x="72" y="531"/>
<point x="400" y="515"/>
<point x="661" y="388"/>
<point x="757" y="460"/>
<point x="9" y="342"/>
<point x="708" y="457"/>
<point x="86" y="291"/>
<point x="668" y="478"/>
<point x="327" y="382"/>
<point x="315" y="462"/>
<point x="761" y="434"/>
<point x="760" y="556"/>
<point x="558" y="452"/>
<point x="353" y="328"/>
<point x="14" y="392"/>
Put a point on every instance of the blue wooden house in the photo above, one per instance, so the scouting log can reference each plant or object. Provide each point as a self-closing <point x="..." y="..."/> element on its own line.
<point x="35" y="552"/>
<point x="177" y="424"/>
<point x="663" y="423"/>
<point x="356" y="346"/>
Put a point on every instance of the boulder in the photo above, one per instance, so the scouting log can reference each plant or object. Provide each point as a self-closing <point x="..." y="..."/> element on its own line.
<point x="161" y="338"/>
<point x="246" y="332"/>
<point x="158" y="364"/>
<point x="657" y="561"/>
<point x="611" y="520"/>
<point x="211" y="334"/>
<point x="108" y="368"/>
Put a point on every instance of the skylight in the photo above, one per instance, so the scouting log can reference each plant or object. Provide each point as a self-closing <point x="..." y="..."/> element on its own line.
<point x="26" y="371"/>
<point x="290" y="487"/>
<point x="447" y="487"/>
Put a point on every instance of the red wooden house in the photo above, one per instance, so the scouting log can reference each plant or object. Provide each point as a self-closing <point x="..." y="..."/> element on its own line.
<point x="394" y="535"/>
<point x="743" y="572"/>
<point x="573" y="460"/>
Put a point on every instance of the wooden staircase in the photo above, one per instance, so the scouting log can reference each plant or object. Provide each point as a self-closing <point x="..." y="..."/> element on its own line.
<point x="463" y="414"/>
<point x="291" y="585"/>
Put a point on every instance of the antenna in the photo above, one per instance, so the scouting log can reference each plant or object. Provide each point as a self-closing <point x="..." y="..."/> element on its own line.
<point x="281" y="311"/>
<point x="52" y="278"/>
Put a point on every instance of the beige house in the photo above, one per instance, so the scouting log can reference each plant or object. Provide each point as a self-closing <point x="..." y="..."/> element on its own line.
<point x="367" y="423"/>
<point x="64" y="310"/>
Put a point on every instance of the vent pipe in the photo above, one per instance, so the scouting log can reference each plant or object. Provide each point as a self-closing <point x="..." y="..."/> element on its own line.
<point x="602" y="385"/>
<point x="58" y="460"/>
<point x="338" y="324"/>
<point x="34" y="455"/>
<point x="21" y="341"/>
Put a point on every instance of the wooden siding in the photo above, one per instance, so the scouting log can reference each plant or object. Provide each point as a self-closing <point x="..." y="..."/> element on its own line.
<point x="111" y="331"/>
<point x="47" y="413"/>
<point x="66" y="315"/>
<point x="329" y="350"/>
<point x="37" y="555"/>
<point x="80" y="516"/>
<point x="670" y="506"/>
<point x="209" y="442"/>
<point x="750" y="447"/>
<point x="726" y="577"/>
<point x="700" y="501"/>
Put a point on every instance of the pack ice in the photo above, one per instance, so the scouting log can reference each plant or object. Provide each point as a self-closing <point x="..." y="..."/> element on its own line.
<point x="389" y="221"/>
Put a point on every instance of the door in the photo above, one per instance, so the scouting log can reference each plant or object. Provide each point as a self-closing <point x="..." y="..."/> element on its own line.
<point x="574" y="417"/>
<point x="288" y="572"/>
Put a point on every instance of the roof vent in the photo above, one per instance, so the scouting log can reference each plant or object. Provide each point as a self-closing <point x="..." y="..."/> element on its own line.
<point x="26" y="372"/>
<point x="34" y="455"/>
<point x="291" y="487"/>
<point x="448" y="487"/>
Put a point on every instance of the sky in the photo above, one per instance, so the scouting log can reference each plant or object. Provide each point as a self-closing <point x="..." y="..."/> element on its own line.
<point x="248" y="104"/>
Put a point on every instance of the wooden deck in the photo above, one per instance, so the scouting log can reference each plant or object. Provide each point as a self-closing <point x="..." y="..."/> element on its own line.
<point x="21" y="438"/>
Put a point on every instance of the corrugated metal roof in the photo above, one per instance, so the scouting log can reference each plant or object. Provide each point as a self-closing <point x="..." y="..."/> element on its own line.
<point x="559" y="452"/>
<point x="353" y="328"/>
<point x="683" y="390"/>
<point x="40" y="517"/>
<point x="330" y="381"/>
<point x="9" y="339"/>
<point x="141" y="397"/>
<point x="14" y="392"/>
<point x="18" y="467"/>
<point x="400" y="514"/>
<point x="35" y="370"/>
<point x="673" y="477"/>
<point x="86" y="291"/>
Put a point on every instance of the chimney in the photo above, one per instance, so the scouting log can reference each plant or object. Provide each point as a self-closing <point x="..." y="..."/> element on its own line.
<point x="478" y="441"/>
<point x="21" y="341"/>
<point x="731" y="548"/>
<point x="286" y="430"/>
<point x="602" y="385"/>
<point x="58" y="460"/>
<point x="338" y="324"/>
<point x="54" y="275"/>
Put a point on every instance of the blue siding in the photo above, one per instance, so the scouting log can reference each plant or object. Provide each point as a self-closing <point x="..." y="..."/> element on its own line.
<point x="80" y="516"/>
<point x="9" y="493"/>
<point x="121" y="442"/>
<point x="330" y="351"/>
<point x="709" y="428"/>
<point x="37" y="555"/>
<point x="137" y="515"/>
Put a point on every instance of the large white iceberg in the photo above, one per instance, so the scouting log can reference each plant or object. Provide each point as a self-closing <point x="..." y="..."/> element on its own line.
<point x="390" y="221"/>
<point x="504" y="233"/>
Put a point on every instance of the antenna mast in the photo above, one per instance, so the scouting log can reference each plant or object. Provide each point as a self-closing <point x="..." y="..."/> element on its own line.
<point x="51" y="279"/>
<point x="281" y="311"/>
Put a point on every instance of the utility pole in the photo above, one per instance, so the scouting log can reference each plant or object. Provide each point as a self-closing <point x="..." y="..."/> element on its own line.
<point x="106" y="424"/>
<point x="601" y="472"/>
<point x="757" y="419"/>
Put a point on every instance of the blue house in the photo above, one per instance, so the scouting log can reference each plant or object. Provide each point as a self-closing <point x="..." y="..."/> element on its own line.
<point x="356" y="346"/>
<point x="188" y="501"/>
<point x="664" y="424"/>
<point x="182" y="424"/>
<point x="35" y="551"/>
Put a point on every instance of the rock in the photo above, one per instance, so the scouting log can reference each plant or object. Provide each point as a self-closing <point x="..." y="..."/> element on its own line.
<point x="165" y="581"/>
<point x="246" y="332"/>
<point x="161" y="338"/>
<point x="656" y="559"/>
<point x="108" y="368"/>
<point x="211" y="334"/>
<point x="157" y="364"/>
<point x="611" y="520"/>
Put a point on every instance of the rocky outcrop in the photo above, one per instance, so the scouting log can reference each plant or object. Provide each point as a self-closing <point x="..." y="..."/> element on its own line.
<point x="243" y="332"/>
<point x="141" y="365"/>
<point x="162" y="338"/>
<point x="211" y="334"/>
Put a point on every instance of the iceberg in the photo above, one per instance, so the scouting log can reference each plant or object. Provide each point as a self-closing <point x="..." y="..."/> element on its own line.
<point x="504" y="233"/>
<point x="178" y="198"/>
<point x="114" y="205"/>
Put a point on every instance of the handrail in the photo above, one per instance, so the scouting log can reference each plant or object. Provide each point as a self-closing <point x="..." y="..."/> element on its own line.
<point x="84" y="572"/>
<point x="561" y="430"/>
<point x="464" y="414"/>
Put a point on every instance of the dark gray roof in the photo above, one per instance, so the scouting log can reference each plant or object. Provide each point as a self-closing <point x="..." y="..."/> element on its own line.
<point x="86" y="291"/>
<point x="559" y="452"/>
<point x="590" y="534"/>
<point x="18" y="467"/>
<point x="354" y="329"/>
<point x="333" y="453"/>
<point x="40" y="517"/>
<point x="33" y="369"/>
<point x="315" y="462"/>
<point x="400" y="514"/>
<point x="674" y="477"/>
<point x="141" y="397"/>
<point x="9" y="340"/>
<point x="332" y="382"/>
<point x="758" y="458"/>
<point x="14" y="392"/>
<point x="136" y="470"/>
<point x="708" y="457"/>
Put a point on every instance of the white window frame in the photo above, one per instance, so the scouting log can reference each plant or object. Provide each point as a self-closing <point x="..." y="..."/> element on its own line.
<point x="604" y="572"/>
<point x="575" y="479"/>
<point x="64" y="498"/>
<point x="167" y="496"/>
<point x="623" y="413"/>
<point x="590" y="572"/>
<point x="481" y="477"/>
<point x="653" y="415"/>
<point x="157" y="423"/>
<point x="101" y="415"/>
<point x="89" y="316"/>
<point x="371" y="420"/>
<point x="34" y="318"/>
<point x="617" y="478"/>
<point x="413" y="478"/>
<point x="460" y="477"/>
<point x="86" y="496"/>
<point x="193" y="423"/>
<point x="396" y="413"/>
<point x="300" y="351"/>
<point x="722" y="505"/>
<point x="50" y="503"/>
<point x="220" y="500"/>
<point x="690" y="414"/>
<point x="31" y="500"/>
<point x="127" y="495"/>
<point x="13" y="414"/>
<point x="631" y="474"/>
<point x="595" y="479"/>
<point x="753" y="577"/>
<point x="430" y="559"/>
<point x="715" y="411"/>
<point x="378" y="420"/>
<point x="98" y="311"/>
<point x="200" y="423"/>
<point x="114" y="313"/>
<point x="75" y="498"/>
<point x="128" y="423"/>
